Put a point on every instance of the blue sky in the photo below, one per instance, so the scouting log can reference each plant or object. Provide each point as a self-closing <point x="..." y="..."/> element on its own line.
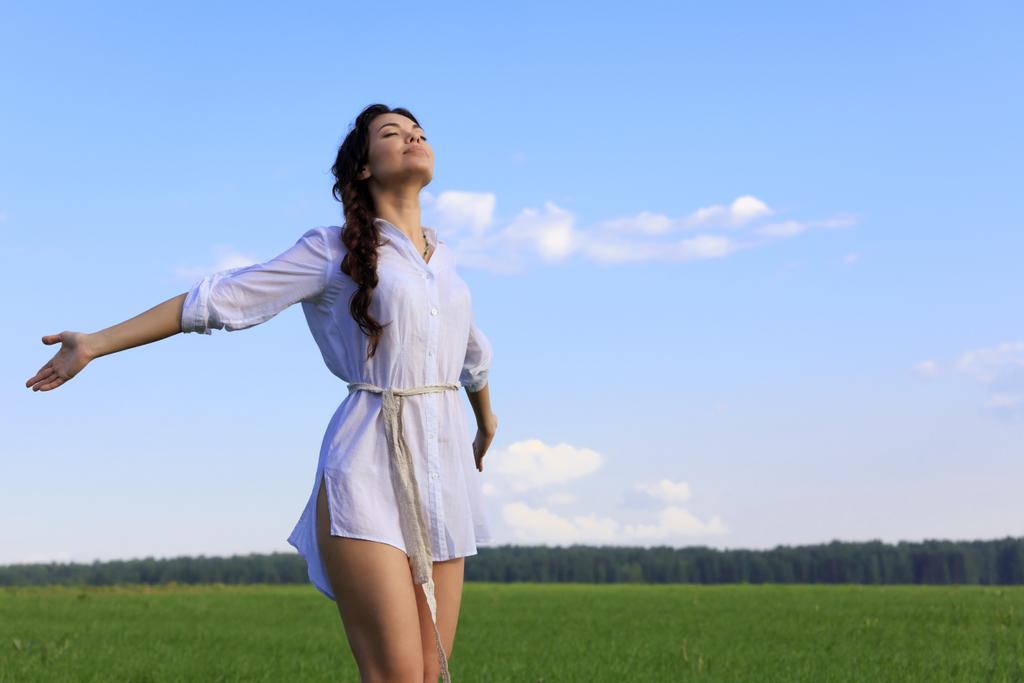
<point x="752" y="274"/>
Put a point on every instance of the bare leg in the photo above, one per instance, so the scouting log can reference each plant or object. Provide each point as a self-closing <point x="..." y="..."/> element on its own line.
<point x="448" y="592"/>
<point x="372" y="584"/>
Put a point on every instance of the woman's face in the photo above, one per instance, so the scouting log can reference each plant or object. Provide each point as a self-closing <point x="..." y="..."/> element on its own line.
<point x="399" y="152"/>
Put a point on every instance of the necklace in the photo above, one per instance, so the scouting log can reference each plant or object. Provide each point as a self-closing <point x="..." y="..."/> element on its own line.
<point x="426" y="244"/>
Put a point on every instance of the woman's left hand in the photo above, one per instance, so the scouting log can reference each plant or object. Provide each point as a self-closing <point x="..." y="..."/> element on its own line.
<point x="484" y="435"/>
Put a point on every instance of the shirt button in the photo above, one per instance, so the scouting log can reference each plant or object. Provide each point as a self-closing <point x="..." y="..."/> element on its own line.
<point x="433" y="311"/>
<point x="430" y="352"/>
<point x="433" y="475"/>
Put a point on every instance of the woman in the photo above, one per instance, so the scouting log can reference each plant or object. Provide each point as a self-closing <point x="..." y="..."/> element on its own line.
<point x="394" y="496"/>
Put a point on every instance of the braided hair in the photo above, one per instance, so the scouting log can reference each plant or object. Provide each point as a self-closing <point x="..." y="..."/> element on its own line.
<point x="361" y="235"/>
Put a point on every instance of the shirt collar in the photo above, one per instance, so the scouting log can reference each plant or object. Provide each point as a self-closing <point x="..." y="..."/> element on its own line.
<point x="391" y="227"/>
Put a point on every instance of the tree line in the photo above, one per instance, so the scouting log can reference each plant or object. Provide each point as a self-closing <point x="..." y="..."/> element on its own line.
<point x="990" y="562"/>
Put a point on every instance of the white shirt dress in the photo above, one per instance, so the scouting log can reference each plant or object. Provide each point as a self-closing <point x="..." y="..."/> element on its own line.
<point x="432" y="339"/>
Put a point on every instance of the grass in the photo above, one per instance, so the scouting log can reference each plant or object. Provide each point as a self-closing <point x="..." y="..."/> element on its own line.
<point x="535" y="633"/>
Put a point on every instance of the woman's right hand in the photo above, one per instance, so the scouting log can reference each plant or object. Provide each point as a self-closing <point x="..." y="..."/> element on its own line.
<point x="73" y="355"/>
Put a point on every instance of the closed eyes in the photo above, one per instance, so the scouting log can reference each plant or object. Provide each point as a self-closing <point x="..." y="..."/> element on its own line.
<point x="422" y="137"/>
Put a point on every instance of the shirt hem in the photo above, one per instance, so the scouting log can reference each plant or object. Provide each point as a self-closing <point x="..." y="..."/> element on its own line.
<point x="344" y="533"/>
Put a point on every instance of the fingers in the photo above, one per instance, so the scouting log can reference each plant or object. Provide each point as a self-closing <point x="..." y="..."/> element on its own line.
<point x="42" y="374"/>
<point x="45" y="379"/>
<point x="50" y="385"/>
<point x="38" y="386"/>
<point x="47" y="368"/>
<point x="50" y="381"/>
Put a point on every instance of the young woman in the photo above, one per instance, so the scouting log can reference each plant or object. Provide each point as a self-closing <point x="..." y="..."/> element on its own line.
<point x="394" y="496"/>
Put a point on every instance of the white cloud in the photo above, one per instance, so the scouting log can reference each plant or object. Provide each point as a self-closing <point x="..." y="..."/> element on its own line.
<point x="563" y="498"/>
<point x="834" y="223"/>
<point x="489" y="489"/>
<point x="538" y="525"/>
<point x="791" y="228"/>
<point x="746" y="208"/>
<point x="667" y="490"/>
<point x="227" y="260"/>
<point x="532" y="464"/>
<point x="926" y="368"/>
<point x="541" y="526"/>
<point x="465" y="221"/>
<point x="703" y="246"/>
<point x="741" y="211"/>
<point x="1000" y="369"/>
<point x="549" y="232"/>
<point x="994" y="362"/>
<point x="643" y="223"/>
<point x="782" y="229"/>
<point x="621" y="251"/>
<point x="455" y="211"/>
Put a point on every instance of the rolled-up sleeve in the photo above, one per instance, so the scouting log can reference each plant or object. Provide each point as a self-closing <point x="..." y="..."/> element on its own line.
<point x="477" y="364"/>
<point x="238" y="298"/>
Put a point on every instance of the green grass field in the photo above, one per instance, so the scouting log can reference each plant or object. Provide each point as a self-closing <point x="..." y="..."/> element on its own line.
<point x="528" y="633"/>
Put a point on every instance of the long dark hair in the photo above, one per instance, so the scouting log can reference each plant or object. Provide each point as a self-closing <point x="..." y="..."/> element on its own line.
<point x="361" y="236"/>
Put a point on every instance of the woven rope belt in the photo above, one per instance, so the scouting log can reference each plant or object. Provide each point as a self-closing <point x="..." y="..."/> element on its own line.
<point x="407" y="493"/>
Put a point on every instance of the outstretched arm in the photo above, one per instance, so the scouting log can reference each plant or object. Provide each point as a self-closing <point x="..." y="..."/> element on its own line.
<point x="232" y="299"/>
<point x="239" y="298"/>
<point x="159" y="322"/>
<point x="78" y="349"/>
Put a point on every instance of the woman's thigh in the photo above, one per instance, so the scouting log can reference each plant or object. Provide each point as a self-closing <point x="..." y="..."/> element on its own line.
<point x="372" y="584"/>
<point x="448" y="576"/>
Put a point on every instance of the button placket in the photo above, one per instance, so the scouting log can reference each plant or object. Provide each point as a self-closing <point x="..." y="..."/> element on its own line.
<point x="433" y="456"/>
<point x="431" y="402"/>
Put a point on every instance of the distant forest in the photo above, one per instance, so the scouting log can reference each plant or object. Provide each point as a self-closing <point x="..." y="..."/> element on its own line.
<point x="991" y="562"/>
